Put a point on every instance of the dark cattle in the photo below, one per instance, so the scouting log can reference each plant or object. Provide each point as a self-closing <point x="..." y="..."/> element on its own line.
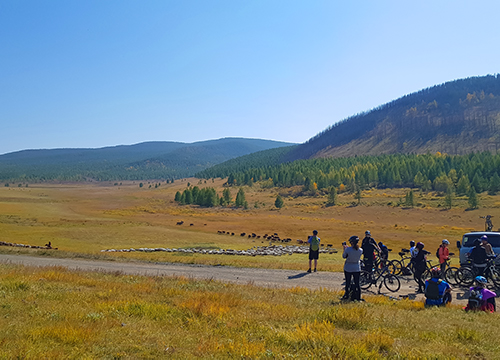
<point x="180" y="222"/>
<point x="232" y="234"/>
<point x="249" y="236"/>
<point x="242" y="234"/>
<point x="329" y="245"/>
<point x="191" y="224"/>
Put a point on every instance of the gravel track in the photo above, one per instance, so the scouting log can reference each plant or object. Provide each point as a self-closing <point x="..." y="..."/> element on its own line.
<point x="271" y="278"/>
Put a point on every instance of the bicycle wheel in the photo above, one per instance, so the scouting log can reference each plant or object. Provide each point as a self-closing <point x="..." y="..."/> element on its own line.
<point x="494" y="275"/>
<point x="450" y="275"/>
<point x="392" y="283"/>
<point x="427" y="275"/>
<point x="465" y="276"/>
<point x="398" y="267"/>
<point x="365" y="279"/>
<point x="391" y="267"/>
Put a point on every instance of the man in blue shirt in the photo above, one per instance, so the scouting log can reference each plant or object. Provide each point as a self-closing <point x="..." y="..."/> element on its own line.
<point x="437" y="291"/>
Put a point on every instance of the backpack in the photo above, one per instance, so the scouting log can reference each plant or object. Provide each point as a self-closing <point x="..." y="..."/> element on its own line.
<point x="314" y="243"/>
<point x="432" y="290"/>
<point x="475" y="299"/>
<point x="437" y="252"/>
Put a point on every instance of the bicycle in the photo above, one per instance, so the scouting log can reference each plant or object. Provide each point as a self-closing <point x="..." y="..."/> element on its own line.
<point x="403" y="266"/>
<point x="389" y="280"/>
<point x="467" y="274"/>
<point x="379" y="263"/>
<point x="449" y="275"/>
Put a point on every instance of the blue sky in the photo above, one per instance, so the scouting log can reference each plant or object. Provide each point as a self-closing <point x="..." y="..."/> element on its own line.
<point x="90" y="74"/>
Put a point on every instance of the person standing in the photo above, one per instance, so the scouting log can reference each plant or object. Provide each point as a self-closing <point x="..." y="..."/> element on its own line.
<point x="313" y="241"/>
<point x="420" y="266"/>
<point x="352" y="269"/>
<point x="487" y="246"/>
<point x="369" y="245"/>
<point x="479" y="257"/>
<point x="444" y="255"/>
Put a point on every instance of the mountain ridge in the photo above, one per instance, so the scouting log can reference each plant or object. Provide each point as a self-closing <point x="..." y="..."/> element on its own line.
<point x="147" y="160"/>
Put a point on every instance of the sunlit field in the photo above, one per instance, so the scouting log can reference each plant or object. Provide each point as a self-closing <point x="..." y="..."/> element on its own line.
<point x="54" y="313"/>
<point x="57" y="313"/>
<point x="83" y="219"/>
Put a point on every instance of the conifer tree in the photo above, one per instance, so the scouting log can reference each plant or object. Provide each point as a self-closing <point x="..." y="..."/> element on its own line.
<point x="448" y="199"/>
<point x="357" y="195"/>
<point x="279" y="202"/>
<point x="240" y="198"/>
<point x="409" y="199"/>
<point x="226" y="196"/>
<point x="463" y="185"/>
<point x="473" y="200"/>
<point x="494" y="185"/>
<point x="332" y="196"/>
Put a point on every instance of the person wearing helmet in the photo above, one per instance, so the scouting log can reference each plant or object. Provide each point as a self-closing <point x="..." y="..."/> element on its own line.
<point x="413" y="249"/>
<point x="352" y="269"/>
<point x="369" y="246"/>
<point x="481" y="298"/>
<point x="313" y="249"/>
<point x="437" y="291"/>
<point x="383" y="253"/>
<point x="487" y="246"/>
<point x="479" y="257"/>
<point x="443" y="255"/>
<point x="420" y="266"/>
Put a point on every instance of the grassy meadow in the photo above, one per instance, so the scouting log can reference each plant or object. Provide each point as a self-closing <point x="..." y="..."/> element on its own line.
<point x="54" y="313"/>
<point x="83" y="219"/>
<point x="57" y="313"/>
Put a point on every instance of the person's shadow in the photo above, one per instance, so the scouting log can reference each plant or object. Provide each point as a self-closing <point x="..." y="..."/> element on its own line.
<point x="298" y="276"/>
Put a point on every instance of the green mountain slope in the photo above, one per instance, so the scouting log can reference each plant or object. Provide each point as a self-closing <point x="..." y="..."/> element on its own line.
<point x="149" y="160"/>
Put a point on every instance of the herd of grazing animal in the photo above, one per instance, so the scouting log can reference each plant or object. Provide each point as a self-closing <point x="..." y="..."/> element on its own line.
<point x="273" y="238"/>
<point x="46" y="246"/>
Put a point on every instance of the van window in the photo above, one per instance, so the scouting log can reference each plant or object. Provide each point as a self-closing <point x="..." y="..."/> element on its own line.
<point x="493" y="239"/>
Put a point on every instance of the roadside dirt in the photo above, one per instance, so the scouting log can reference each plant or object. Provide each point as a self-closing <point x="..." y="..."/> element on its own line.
<point x="260" y="277"/>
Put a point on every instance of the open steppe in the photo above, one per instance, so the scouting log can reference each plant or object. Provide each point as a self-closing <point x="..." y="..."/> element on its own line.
<point x="83" y="219"/>
<point x="55" y="312"/>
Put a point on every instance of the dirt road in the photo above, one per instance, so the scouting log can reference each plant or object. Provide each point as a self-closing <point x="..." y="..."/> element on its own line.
<point x="259" y="277"/>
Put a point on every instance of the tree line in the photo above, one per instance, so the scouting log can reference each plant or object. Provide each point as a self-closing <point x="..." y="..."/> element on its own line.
<point x="208" y="197"/>
<point x="439" y="172"/>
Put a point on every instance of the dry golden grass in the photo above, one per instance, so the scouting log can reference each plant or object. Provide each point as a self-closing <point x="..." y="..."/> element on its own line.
<point x="83" y="219"/>
<point x="56" y="313"/>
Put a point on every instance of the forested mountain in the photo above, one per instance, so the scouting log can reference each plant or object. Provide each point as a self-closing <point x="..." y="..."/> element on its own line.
<point x="439" y="172"/>
<point x="457" y="117"/>
<point x="264" y="158"/>
<point x="149" y="160"/>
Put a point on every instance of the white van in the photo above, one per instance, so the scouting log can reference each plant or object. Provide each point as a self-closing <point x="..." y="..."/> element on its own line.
<point x="468" y="239"/>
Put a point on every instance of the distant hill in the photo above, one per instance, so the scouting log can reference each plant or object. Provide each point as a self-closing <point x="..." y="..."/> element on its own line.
<point x="456" y="117"/>
<point x="148" y="160"/>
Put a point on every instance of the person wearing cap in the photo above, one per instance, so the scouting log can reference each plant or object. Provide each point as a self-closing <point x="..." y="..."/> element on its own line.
<point x="369" y="246"/>
<point x="437" y="291"/>
<point x="444" y="255"/>
<point x="352" y="269"/>
<point x="420" y="266"/>
<point x="481" y="298"/>
<point x="313" y="241"/>
<point x="487" y="246"/>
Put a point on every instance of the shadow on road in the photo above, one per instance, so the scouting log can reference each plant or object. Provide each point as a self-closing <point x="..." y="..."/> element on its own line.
<point x="298" y="276"/>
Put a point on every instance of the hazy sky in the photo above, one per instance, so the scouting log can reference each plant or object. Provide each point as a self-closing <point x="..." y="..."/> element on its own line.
<point x="102" y="73"/>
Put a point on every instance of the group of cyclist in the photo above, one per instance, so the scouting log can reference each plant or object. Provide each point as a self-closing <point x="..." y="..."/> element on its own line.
<point x="437" y="290"/>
